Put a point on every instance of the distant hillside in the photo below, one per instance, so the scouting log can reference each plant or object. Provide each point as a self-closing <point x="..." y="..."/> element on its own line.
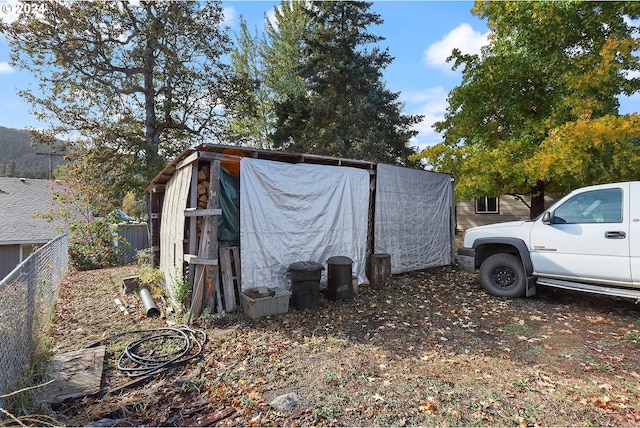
<point x="18" y="158"/>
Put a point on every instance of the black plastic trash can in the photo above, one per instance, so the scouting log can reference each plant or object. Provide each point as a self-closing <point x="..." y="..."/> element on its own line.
<point x="305" y="284"/>
<point x="339" y="278"/>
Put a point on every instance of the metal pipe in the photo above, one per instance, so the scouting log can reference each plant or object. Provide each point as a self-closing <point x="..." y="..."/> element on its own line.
<point x="151" y="310"/>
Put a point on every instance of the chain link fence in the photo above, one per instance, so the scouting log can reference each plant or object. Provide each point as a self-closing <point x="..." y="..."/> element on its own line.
<point x="27" y="298"/>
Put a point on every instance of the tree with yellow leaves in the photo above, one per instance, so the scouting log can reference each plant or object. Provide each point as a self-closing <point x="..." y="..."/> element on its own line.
<point x="537" y="110"/>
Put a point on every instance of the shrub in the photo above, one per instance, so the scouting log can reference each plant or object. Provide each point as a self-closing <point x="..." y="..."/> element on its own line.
<point x="91" y="246"/>
<point x="180" y="287"/>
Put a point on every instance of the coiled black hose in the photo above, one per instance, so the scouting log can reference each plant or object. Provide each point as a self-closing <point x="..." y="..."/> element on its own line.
<point x="160" y="349"/>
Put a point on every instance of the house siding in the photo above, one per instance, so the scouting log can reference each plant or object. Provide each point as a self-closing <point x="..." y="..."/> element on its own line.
<point x="510" y="209"/>
<point x="9" y="259"/>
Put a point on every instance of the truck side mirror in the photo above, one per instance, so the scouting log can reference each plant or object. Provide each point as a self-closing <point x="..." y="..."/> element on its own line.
<point x="546" y="218"/>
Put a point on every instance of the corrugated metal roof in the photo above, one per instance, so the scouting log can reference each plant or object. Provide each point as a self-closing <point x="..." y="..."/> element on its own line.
<point x="20" y="199"/>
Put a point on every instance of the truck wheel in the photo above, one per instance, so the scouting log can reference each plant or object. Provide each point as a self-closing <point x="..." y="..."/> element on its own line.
<point x="503" y="275"/>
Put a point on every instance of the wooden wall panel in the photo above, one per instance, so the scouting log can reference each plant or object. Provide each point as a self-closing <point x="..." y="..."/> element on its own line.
<point x="172" y="226"/>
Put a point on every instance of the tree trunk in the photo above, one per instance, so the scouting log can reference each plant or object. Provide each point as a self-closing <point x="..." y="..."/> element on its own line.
<point x="151" y="136"/>
<point x="537" y="200"/>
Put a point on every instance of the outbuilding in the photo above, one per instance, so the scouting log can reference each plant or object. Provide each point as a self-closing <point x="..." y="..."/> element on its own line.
<point x="245" y="215"/>
<point x="23" y="228"/>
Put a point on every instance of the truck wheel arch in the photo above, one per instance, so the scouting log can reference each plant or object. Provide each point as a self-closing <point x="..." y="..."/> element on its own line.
<point x="486" y="247"/>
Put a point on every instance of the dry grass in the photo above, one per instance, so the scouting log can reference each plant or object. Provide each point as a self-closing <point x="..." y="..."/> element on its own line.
<point x="430" y="349"/>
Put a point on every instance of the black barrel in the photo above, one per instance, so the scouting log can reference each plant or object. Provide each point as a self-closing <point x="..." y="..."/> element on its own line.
<point x="339" y="278"/>
<point x="305" y="284"/>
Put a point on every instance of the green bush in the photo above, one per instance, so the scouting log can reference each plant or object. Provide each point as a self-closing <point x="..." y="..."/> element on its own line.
<point x="144" y="257"/>
<point x="151" y="278"/>
<point x="91" y="246"/>
<point x="181" y="287"/>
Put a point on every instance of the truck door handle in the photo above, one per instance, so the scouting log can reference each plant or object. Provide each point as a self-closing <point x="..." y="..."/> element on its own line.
<point x="615" y="235"/>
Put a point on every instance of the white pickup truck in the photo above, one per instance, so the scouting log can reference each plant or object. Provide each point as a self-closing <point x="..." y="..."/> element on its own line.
<point x="587" y="241"/>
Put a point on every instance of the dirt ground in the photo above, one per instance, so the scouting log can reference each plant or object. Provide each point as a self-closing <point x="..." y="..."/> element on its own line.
<point x="431" y="348"/>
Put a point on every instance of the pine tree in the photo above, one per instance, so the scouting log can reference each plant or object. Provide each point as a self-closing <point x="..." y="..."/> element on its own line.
<point x="283" y="50"/>
<point x="345" y="110"/>
<point x="265" y="67"/>
<point x="249" y="117"/>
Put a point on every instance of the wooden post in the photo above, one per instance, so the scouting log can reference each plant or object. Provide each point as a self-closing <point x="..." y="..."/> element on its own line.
<point x="380" y="269"/>
<point x="156" y="198"/>
<point x="212" y="289"/>
<point x="205" y="280"/>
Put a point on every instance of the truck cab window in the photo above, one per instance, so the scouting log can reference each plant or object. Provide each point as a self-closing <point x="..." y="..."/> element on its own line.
<point x="598" y="206"/>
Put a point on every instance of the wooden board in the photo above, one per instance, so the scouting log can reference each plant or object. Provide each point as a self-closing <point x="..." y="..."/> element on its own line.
<point x="230" y="273"/>
<point x="76" y="374"/>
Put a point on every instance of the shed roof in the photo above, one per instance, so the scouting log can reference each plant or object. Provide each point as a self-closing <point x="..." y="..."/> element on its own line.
<point x="20" y="199"/>
<point x="224" y="151"/>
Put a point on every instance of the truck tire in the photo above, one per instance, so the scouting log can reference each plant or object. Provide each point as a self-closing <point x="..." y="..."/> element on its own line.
<point x="503" y="275"/>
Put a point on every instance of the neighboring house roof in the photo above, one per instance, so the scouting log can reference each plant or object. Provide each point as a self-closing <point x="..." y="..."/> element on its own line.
<point x="20" y="199"/>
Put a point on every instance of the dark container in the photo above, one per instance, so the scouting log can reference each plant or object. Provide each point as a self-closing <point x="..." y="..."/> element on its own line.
<point x="305" y="284"/>
<point x="339" y="278"/>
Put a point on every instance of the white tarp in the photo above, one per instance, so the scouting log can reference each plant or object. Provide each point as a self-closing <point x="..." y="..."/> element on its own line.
<point x="300" y="212"/>
<point x="413" y="218"/>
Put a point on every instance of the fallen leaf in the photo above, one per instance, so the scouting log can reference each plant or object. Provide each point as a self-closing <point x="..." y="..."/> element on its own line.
<point x="603" y="402"/>
<point x="427" y="406"/>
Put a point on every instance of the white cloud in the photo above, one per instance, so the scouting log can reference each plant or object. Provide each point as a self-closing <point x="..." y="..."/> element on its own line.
<point x="462" y="37"/>
<point x="432" y="104"/>
<point x="229" y="14"/>
<point x="271" y="17"/>
<point x="635" y="74"/>
<point x="5" y="68"/>
<point x="632" y="23"/>
<point x="435" y="97"/>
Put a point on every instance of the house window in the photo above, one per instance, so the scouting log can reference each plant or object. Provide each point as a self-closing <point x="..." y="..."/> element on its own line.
<point x="487" y="205"/>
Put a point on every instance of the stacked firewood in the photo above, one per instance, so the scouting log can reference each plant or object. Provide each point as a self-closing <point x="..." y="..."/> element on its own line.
<point x="203" y="194"/>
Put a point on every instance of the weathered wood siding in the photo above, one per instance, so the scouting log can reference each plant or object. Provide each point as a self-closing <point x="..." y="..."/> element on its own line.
<point x="172" y="226"/>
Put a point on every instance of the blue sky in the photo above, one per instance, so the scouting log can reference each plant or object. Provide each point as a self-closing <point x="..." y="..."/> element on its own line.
<point x="419" y="35"/>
